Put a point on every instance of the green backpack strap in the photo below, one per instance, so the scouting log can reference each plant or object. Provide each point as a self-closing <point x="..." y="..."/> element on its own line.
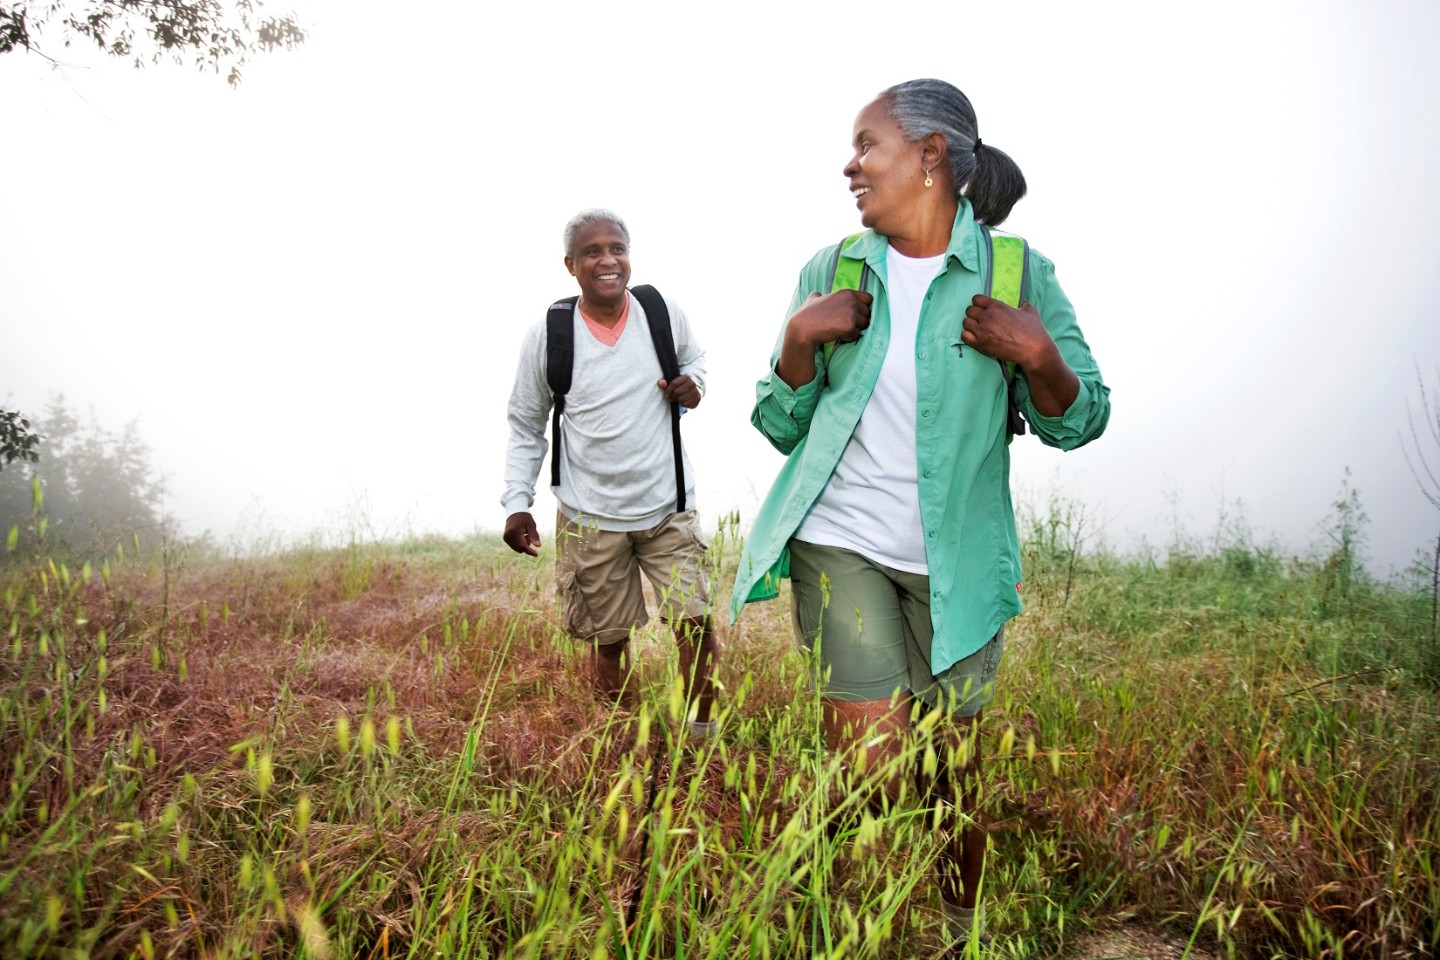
<point x="846" y="273"/>
<point x="1008" y="281"/>
<point x="1009" y="269"/>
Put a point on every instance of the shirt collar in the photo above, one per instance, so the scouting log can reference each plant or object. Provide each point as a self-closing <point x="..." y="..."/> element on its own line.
<point x="964" y="244"/>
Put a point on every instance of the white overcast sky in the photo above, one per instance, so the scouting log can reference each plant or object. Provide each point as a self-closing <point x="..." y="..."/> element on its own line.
<point x="310" y="291"/>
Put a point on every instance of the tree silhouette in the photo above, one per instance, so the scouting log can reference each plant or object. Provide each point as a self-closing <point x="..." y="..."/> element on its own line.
<point x="216" y="36"/>
<point x="17" y="440"/>
<point x="95" y="488"/>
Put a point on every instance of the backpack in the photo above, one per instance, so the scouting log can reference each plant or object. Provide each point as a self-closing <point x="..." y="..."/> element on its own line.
<point x="560" y="364"/>
<point x="1008" y="280"/>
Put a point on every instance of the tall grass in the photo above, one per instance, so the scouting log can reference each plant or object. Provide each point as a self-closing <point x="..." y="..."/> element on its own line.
<point x="387" y="750"/>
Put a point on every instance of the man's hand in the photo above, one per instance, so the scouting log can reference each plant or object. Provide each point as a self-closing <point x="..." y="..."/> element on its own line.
<point x="681" y="390"/>
<point x="521" y="535"/>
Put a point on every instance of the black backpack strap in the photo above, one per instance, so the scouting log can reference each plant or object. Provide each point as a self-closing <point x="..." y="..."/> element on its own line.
<point x="1015" y="420"/>
<point x="559" y="365"/>
<point x="657" y="315"/>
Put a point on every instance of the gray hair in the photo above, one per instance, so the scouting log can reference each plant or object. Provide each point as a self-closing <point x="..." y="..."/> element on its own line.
<point x="986" y="176"/>
<point x="584" y="218"/>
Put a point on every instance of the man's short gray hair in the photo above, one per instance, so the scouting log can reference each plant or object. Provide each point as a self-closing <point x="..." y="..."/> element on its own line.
<point x="584" y="218"/>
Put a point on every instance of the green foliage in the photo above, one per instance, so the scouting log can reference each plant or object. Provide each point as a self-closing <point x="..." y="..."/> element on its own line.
<point x="89" y="490"/>
<point x="1343" y="565"/>
<point x="17" y="440"/>
<point x="1424" y="464"/>
<point x="1345" y="620"/>
<point x="1421" y="460"/>
<point x="213" y="35"/>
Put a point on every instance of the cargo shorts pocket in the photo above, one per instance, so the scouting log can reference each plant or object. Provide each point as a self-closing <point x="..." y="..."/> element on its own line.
<point x="575" y="615"/>
<point x="697" y="533"/>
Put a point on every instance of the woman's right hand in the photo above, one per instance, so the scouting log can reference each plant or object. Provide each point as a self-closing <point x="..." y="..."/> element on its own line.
<point x="838" y="317"/>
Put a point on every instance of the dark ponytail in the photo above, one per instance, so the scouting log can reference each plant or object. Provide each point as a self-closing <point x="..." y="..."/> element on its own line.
<point x="996" y="185"/>
<point x="987" y="177"/>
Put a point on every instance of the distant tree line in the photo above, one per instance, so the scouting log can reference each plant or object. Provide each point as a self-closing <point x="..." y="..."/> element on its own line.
<point x="75" y="487"/>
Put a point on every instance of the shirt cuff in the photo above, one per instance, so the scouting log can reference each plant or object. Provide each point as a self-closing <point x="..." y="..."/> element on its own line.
<point x="786" y="397"/>
<point x="1071" y="422"/>
<point x="516" y="505"/>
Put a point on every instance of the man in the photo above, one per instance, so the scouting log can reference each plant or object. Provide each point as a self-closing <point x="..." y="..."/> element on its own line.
<point x="617" y="490"/>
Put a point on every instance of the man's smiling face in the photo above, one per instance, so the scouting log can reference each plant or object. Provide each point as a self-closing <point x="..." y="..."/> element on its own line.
<point x="600" y="261"/>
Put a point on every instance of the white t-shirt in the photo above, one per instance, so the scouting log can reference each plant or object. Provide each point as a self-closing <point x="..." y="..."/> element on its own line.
<point x="871" y="503"/>
<point x="617" y="459"/>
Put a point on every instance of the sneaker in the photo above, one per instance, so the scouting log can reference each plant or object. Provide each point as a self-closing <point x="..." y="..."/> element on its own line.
<point x="695" y="730"/>
<point x="961" y="926"/>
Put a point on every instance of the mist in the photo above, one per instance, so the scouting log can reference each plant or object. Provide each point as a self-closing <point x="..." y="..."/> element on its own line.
<point x="308" y="293"/>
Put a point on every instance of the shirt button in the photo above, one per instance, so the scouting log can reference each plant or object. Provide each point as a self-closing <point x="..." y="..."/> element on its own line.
<point x="929" y="473"/>
<point x="922" y="355"/>
<point x="924" y="413"/>
<point x="932" y="534"/>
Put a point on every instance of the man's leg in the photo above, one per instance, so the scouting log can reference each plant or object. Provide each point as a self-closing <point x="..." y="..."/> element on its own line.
<point x="610" y="668"/>
<point x="699" y="649"/>
<point x="598" y="582"/>
<point x="672" y="555"/>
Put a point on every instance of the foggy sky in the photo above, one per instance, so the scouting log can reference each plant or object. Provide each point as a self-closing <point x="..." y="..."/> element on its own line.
<point x="310" y="292"/>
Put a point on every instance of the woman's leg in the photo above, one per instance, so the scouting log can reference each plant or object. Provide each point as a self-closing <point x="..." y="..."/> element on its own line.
<point x="880" y="729"/>
<point x="965" y="687"/>
<point x="848" y="611"/>
<point x="957" y="787"/>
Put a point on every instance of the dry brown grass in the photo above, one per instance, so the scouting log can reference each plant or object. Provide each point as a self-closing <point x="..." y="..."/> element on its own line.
<point x="1186" y="784"/>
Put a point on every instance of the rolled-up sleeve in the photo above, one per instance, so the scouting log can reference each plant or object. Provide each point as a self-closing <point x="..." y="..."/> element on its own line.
<point x="1089" y="412"/>
<point x="782" y="413"/>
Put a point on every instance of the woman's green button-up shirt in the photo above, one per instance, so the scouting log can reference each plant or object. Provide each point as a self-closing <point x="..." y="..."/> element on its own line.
<point x="963" y="458"/>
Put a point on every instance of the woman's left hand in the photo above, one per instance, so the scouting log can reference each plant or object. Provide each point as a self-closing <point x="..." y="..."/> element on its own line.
<point x="1004" y="332"/>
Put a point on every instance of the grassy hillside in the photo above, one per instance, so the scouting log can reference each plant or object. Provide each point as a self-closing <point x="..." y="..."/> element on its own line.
<point x="387" y="750"/>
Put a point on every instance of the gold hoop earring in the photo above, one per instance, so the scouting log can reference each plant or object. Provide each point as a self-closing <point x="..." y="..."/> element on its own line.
<point x="928" y="181"/>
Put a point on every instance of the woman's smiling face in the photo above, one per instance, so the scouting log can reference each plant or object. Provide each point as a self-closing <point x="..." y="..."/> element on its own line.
<point x="886" y="173"/>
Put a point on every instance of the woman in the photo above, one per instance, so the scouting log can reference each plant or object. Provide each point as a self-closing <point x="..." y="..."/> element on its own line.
<point x="892" y="410"/>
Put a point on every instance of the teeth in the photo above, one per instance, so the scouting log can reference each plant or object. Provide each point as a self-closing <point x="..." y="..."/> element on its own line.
<point x="859" y="192"/>
<point x="607" y="276"/>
